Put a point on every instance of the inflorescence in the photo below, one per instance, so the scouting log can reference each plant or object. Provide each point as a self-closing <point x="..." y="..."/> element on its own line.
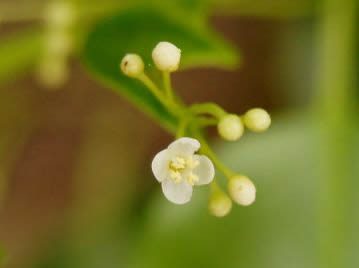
<point x="178" y="167"/>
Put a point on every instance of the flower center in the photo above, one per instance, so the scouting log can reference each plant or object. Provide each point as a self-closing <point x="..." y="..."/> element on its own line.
<point x="181" y="169"/>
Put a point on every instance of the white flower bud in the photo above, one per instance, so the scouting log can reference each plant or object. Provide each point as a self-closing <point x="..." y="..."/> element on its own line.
<point x="132" y="65"/>
<point x="166" y="56"/>
<point x="257" y="120"/>
<point x="242" y="190"/>
<point x="219" y="204"/>
<point x="230" y="127"/>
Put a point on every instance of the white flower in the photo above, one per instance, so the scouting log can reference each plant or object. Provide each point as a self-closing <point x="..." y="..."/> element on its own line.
<point x="166" y="56"/>
<point x="178" y="169"/>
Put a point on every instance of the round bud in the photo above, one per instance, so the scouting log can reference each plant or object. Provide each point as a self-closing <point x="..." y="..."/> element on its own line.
<point x="257" y="120"/>
<point x="219" y="204"/>
<point x="242" y="190"/>
<point x="166" y="56"/>
<point x="132" y="65"/>
<point x="230" y="127"/>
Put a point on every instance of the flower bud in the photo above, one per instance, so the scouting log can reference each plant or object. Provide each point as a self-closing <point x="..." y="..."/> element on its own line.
<point x="132" y="65"/>
<point x="219" y="204"/>
<point x="166" y="56"/>
<point x="242" y="190"/>
<point x="257" y="120"/>
<point x="230" y="127"/>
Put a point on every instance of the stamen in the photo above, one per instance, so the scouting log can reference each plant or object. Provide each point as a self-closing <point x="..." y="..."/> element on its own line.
<point x="178" y="163"/>
<point x="191" y="164"/>
<point x="192" y="178"/>
<point x="176" y="176"/>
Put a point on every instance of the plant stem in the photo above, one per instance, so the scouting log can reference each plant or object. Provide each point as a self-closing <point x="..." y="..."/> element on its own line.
<point x="215" y="189"/>
<point x="335" y="101"/>
<point x="182" y="126"/>
<point x="208" y="108"/>
<point x="205" y="149"/>
<point x="167" y="84"/>
<point x="172" y="106"/>
<point x="206" y="122"/>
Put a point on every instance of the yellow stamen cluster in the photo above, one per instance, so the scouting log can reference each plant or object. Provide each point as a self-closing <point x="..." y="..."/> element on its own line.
<point x="179" y="165"/>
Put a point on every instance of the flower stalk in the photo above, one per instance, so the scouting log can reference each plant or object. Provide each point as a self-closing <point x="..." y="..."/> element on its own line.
<point x="167" y="84"/>
<point x="178" y="168"/>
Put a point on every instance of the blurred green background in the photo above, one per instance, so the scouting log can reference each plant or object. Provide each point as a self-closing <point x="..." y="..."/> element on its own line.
<point x="77" y="138"/>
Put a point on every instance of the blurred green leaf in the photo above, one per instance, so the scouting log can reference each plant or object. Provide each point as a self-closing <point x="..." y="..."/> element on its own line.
<point x="138" y="31"/>
<point x="18" y="52"/>
<point x="278" y="230"/>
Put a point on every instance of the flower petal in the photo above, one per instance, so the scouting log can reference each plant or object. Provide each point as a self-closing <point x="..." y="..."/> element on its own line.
<point x="205" y="169"/>
<point x="184" y="146"/>
<point x="178" y="193"/>
<point x="160" y="165"/>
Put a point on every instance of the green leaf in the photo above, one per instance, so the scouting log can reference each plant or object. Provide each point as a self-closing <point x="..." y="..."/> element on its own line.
<point x="138" y="31"/>
<point x="18" y="52"/>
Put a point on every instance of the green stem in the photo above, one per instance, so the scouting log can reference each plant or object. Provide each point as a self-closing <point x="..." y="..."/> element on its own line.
<point x="182" y="126"/>
<point x="205" y="149"/>
<point x="158" y="93"/>
<point x="167" y="84"/>
<point x="215" y="187"/>
<point x="208" y="108"/>
<point x="206" y="122"/>
<point x="335" y="101"/>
